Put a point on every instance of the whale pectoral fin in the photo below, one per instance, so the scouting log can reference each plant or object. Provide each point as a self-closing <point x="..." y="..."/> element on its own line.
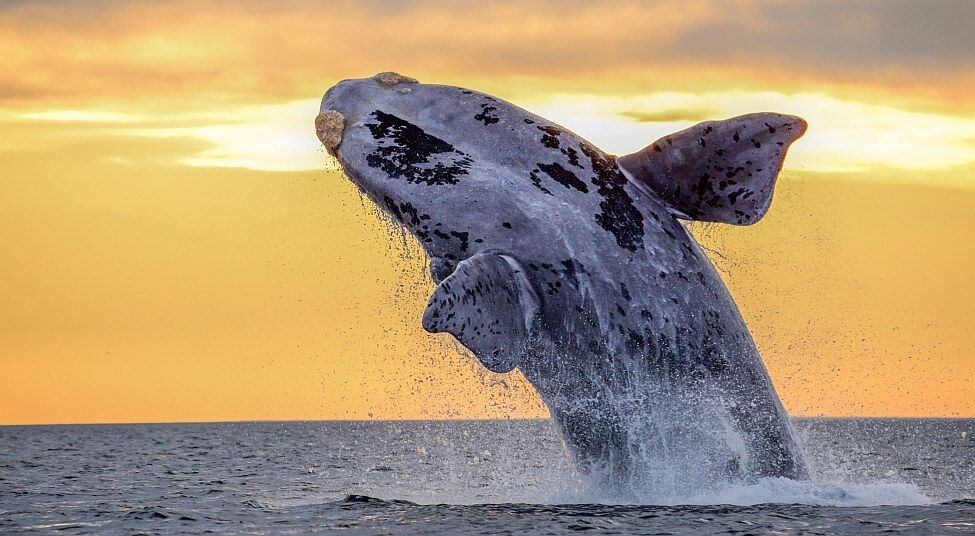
<point x="489" y="305"/>
<point x="718" y="171"/>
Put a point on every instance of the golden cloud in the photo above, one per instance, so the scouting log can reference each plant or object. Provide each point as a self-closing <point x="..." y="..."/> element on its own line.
<point x="229" y="52"/>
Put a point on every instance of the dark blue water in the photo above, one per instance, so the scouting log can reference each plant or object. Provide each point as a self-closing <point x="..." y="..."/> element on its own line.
<point x="872" y="476"/>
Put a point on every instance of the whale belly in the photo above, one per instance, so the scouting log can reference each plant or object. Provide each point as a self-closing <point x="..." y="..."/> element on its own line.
<point x="670" y="411"/>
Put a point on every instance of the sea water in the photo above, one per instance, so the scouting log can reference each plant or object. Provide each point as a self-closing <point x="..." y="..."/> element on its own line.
<point x="870" y="476"/>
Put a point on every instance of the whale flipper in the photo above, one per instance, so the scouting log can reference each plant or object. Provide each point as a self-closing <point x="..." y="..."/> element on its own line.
<point x="717" y="171"/>
<point x="489" y="305"/>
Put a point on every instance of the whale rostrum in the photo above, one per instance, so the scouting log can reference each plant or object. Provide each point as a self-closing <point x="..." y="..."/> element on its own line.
<point x="572" y="265"/>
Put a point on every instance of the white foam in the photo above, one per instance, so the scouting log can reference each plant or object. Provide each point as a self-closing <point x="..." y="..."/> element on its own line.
<point x="786" y="491"/>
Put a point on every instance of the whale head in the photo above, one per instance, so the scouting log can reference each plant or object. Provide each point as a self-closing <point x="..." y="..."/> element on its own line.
<point x="423" y="154"/>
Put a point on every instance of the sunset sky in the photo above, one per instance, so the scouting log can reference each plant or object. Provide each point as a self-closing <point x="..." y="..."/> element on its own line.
<point x="177" y="247"/>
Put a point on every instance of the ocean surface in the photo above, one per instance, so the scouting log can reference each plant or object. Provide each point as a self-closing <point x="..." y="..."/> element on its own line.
<point x="871" y="476"/>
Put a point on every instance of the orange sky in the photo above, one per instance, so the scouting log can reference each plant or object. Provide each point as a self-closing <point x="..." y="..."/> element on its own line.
<point x="177" y="246"/>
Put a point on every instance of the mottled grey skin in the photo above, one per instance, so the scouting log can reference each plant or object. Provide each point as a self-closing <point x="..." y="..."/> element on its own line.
<point x="553" y="259"/>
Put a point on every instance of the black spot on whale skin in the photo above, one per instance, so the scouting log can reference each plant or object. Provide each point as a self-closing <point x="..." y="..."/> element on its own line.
<point x="393" y="208"/>
<point x="619" y="215"/>
<point x="550" y="136"/>
<point x="552" y="287"/>
<point x="404" y="212"/>
<point x="625" y="293"/>
<point x="563" y="176"/>
<point x="410" y="214"/>
<point x="464" y="238"/>
<point x="570" y="271"/>
<point x="573" y="157"/>
<point x="410" y="150"/>
<point x="733" y="196"/>
<point x="634" y="342"/>
<point x="487" y="115"/>
<point x="536" y="179"/>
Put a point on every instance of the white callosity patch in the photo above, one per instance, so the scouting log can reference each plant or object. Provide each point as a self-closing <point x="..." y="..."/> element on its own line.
<point x="390" y="79"/>
<point x="328" y="126"/>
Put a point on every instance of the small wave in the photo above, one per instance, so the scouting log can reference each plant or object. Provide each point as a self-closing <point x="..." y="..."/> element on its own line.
<point x="254" y="503"/>
<point x="778" y="490"/>
<point x="365" y="499"/>
<point x="68" y="525"/>
<point x="781" y="490"/>
<point x="350" y="500"/>
<point x="155" y="513"/>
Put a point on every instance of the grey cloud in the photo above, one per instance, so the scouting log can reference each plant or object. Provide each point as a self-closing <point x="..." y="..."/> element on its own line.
<point x="870" y="35"/>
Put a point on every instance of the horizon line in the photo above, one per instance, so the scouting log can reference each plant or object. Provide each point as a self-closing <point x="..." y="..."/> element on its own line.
<point x="366" y="420"/>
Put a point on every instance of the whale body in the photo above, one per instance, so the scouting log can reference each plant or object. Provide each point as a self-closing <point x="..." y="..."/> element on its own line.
<point x="572" y="265"/>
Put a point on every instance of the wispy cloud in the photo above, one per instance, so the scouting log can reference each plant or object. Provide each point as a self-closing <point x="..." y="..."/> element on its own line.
<point x="880" y="86"/>
<point x="230" y="52"/>
<point x="844" y="136"/>
<point x="269" y="138"/>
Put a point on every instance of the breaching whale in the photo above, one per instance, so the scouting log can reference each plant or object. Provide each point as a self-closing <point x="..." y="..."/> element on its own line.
<point x="572" y="265"/>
